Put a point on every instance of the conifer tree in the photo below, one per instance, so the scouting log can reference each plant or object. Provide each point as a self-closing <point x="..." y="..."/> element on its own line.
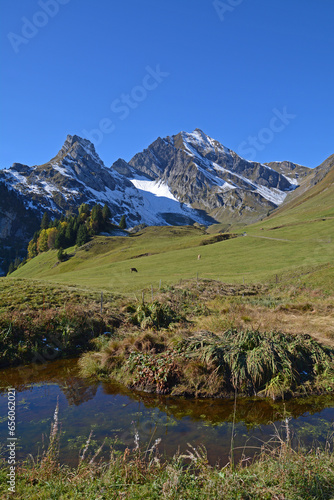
<point x="97" y="218"/>
<point x="45" y="221"/>
<point x="122" y="222"/>
<point x="60" y="241"/>
<point x="11" y="267"/>
<point x="84" y="209"/>
<point x="106" y="213"/>
<point x="82" y="236"/>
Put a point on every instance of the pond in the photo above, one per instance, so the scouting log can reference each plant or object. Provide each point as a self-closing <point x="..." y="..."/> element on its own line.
<point x="115" y="414"/>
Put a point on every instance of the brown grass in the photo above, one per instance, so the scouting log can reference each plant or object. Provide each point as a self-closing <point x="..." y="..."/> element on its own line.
<point x="315" y="318"/>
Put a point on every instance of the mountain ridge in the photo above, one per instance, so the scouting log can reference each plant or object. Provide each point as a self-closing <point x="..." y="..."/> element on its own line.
<point x="205" y="174"/>
<point x="177" y="180"/>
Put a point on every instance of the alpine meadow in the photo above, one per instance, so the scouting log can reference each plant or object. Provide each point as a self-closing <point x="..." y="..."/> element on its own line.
<point x="166" y="291"/>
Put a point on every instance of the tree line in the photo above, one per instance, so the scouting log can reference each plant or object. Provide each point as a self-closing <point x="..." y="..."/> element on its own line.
<point x="68" y="231"/>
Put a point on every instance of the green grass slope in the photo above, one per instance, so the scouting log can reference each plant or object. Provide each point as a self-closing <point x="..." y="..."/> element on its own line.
<point x="314" y="197"/>
<point x="296" y="243"/>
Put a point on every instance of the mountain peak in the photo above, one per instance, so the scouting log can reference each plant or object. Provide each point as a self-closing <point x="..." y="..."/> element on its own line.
<point x="75" y="147"/>
<point x="202" y="142"/>
<point x="200" y="132"/>
<point x="76" y="141"/>
<point x="74" y="138"/>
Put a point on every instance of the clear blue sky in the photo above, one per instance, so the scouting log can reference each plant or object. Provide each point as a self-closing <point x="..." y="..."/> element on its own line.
<point x="231" y="68"/>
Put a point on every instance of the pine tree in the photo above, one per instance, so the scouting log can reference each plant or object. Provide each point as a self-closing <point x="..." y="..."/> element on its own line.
<point x="45" y="221"/>
<point x="82" y="236"/>
<point x="11" y="268"/>
<point x="35" y="237"/>
<point x="122" y="222"/>
<point x="60" y="241"/>
<point x="61" y="255"/>
<point x="17" y="262"/>
<point x="97" y="218"/>
<point x="106" y="213"/>
<point x="84" y="209"/>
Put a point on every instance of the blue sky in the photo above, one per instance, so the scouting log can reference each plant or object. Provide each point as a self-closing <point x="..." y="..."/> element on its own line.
<point x="257" y="75"/>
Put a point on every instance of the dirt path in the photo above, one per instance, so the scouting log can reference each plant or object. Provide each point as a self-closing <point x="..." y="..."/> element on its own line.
<point x="268" y="238"/>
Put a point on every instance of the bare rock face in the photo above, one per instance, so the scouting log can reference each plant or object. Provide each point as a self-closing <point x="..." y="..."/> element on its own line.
<point x="203" y="173"/>
<point x="74" y="176"/>
<point x="17" y="225"/>
<point x="181" y="179"/>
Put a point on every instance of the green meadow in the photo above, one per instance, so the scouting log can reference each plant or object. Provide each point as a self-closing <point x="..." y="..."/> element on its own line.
<point x="293" y="244"/>
<point x="292" y="249"/>
<point x="248" y="309"/>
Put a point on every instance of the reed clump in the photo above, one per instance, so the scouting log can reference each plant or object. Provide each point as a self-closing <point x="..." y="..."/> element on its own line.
<point x="253" y="363"/>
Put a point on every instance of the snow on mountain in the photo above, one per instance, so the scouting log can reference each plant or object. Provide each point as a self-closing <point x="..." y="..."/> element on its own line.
<point x="77" y="175"/>
<point x="204" y="174"/>
<point x="293" y="172"/>
<point x="185" y="178"/>
<point x="197" y="140"/>
<point x="158" y="188"/>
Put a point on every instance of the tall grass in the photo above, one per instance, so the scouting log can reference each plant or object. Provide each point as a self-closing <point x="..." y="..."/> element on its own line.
<point x="277" y="472"/>
<point x="44" y="335"/>
<point x="253" y="363"/>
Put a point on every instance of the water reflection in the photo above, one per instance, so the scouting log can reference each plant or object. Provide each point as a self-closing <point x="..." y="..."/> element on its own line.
<point x="114" y="412"/>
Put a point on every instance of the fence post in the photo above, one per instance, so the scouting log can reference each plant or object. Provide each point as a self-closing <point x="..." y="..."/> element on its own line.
<point x="101" y="301"/>
<point x="152" y="292"/>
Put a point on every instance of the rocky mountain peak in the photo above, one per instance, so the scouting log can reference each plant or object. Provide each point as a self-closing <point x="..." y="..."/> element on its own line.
<point x="202" y="143"/>
<point x="76" y="147"/>
<point x="206" y="175"/>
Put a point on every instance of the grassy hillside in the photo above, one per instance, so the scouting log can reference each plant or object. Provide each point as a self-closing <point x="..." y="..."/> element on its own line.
<point x="289" y="251"/>
<point x="314" y="197"/>
<point x="170" y="254"/>
<point x="296" y="243"/>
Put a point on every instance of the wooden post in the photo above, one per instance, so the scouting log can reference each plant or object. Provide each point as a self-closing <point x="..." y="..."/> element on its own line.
<point x="276" y="279"/>
<point x="101" y="301"/>
<point x="160" y="285"/>
<point x="142" y="297"/>
<point x="152" y="292"/>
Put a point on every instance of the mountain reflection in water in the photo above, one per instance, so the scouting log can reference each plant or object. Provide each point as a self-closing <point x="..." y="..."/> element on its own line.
<point x="114" y="413"/>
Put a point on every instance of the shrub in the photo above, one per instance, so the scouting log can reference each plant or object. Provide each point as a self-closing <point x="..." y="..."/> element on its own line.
<point x="61" y="255"/>
<point x="154" y="315"/>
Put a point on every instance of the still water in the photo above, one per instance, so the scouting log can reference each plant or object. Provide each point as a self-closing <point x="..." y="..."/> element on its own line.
<point x="115" y="414"/>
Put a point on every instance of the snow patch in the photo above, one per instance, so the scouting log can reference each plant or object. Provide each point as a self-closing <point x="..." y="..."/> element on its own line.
<point x="61" y="170"/>
<point x="292" y="181"/>
<point x="199" y="139"/>
<point x="274" y="195"/>
<point x="158" y="188"/>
